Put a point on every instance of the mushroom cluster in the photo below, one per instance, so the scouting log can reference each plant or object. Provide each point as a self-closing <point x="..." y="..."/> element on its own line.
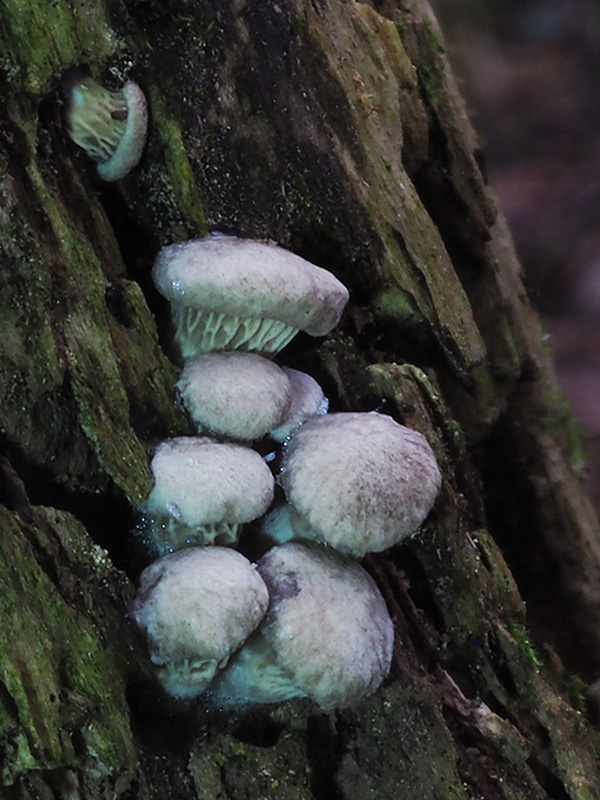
<point x="307" y="620"/>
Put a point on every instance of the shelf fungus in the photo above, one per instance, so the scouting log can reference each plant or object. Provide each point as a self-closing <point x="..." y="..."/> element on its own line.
<point x="240" y="294"/>
<point x="110" y="126"/>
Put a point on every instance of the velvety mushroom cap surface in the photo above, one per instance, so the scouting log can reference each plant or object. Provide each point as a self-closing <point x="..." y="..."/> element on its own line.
<point x="238" y="395"/>
<point x="110" y="126"/>
<point x="307" y="400"/>
<point x="359" y="482"/>
<point x="196" y="607"/>
<point x="229" y="294"/>
<point x="327" y="634"/>
<point x="203" y="490"/>
<point x="327" y="623"/>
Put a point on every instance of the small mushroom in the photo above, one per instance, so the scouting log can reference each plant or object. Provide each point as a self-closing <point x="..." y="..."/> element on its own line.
<point x="327" y="634"/>
<point x="238" y="395"/>
<point x="110" y="126"/>
<point x="307" y="400"/>
<point x="203" y="492"/>
<point x="239" y="294"/>
<point x="359" y="482"/>
<point x="196" y="607"/>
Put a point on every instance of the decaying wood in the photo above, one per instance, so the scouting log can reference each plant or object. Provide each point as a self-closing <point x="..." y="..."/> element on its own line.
<point x="334" y="128"/>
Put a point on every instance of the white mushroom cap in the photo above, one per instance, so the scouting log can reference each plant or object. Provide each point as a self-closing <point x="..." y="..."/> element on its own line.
<point x="238" y="395"/>
<point x="307" y="400"/>
<point x="203" y="491"/>
<point x="327" y="633"/>
<point x="239" y="294"/>
<point x="197" y="607"/>
<point x="358" y="482"/>
<point x="110" y="126"/>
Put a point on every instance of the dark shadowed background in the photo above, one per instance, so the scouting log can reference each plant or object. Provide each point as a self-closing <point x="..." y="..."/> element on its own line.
<point x="530" y="71"/>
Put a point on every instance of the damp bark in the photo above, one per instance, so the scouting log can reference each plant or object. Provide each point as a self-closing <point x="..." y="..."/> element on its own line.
<point x="335" y="128"/>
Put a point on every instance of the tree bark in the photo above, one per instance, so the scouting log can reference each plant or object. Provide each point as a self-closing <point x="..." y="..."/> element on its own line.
<point x="333" y="127"/>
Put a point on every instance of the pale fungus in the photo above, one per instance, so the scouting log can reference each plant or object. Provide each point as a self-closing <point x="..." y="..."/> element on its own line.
<point x="237" y="395"/>
<point x="307" y="400"/>
<point x="203" y="492"/>
<point x="359" y="482"/>
<point x="239" y="294"/>
<point x="110" y="126"/>
<point x="327" y="634"/>
<point x="196" y="607"/>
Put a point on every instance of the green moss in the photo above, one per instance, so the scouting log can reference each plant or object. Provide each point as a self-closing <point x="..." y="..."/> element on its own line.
<point x="432" y="68"/>
<point x="147" y="374"/>
<point x="566" y="430"/>
<point x="232" y="748"/>
<point x="299" y="26"/>
<point x="307" y="207"/>
<point x="60" y="678"/>
<point x="519" y="633"/>
<point x="398" y="306"/>
<point x="576" y="692"/>
<point x="433" y="38"/>
<point x="163" y="193"/>
<point x="84" y="354"/>
<point x="432" y="80"/>
<point x="40" y="40"/>
<point x="174" y="190"/>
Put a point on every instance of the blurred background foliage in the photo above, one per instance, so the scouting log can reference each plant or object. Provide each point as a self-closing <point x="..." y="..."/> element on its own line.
<point x="530" y="71"/>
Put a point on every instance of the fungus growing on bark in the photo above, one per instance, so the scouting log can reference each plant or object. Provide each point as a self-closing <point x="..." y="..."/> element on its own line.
<point x="327" y="634"/>
<point x="307" y="400"/>
<point x="239" y="294"/>
<point x="238" y="395"/>
<point x="110" y="126"/>
<point x="196" y="607"/>
<point x="359" y="482"/>
<point x="203" y="492"/>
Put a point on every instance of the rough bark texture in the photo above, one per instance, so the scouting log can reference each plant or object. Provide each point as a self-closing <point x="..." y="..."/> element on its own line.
<point x="334" y="128"/>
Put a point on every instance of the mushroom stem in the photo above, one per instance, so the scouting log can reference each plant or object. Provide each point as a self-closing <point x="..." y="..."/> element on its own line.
<point x="253" y="677"/>
<point x="167" y="534"/>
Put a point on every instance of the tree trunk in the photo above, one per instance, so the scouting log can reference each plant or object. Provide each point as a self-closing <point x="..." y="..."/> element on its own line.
<point x="334" y="128"/>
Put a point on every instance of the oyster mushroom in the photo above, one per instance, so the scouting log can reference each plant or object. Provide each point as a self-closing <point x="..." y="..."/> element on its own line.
<point x="239" y="294"/>
<point x="238" y="395"/>
<point x="195" y="608"/>
<point x="359" y="482"/>
<point x="110" y="126"/>
<point x="244" y="396"/>
<point x="307" y="400"/>
<point x="327" y="634"/>
<point x="203" y="492"/>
